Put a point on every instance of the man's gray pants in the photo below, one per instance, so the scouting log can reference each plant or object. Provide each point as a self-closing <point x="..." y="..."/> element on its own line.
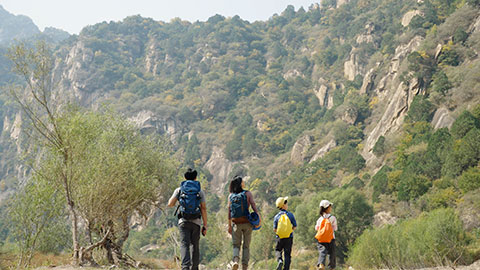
<point x="189" y="235"/>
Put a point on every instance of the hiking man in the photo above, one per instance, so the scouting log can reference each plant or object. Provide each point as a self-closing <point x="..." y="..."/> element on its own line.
<point x="283" y="225"/>
<point x="192" y="206"/>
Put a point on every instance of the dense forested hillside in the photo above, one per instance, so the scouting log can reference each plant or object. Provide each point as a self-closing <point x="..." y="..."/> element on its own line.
<point x="373" y="105"/>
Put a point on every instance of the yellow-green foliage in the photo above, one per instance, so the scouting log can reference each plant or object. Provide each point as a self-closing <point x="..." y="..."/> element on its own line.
<point x="435" y="238"/>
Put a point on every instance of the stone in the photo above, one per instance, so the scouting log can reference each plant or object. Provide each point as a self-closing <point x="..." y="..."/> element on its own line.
<point x="341" y="2"/>
<point x="438" y="51"/>
<point x="350" y="116"/>
<point x="407" y="18"/>
<point x="442" y="119"/>
<point x="292" y="74"/>
<point x="324" y="150"/>
<point x="350" y="67"/>
<point x="322" y="94"/>
<point x="300" y="149"/>
<point x="383" y="218"/>
<point x="368" y="82"/>
<point x="220" y="167"/>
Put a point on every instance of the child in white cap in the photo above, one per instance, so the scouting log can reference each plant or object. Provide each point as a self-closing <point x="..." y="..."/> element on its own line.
<point x="326" y="247"/>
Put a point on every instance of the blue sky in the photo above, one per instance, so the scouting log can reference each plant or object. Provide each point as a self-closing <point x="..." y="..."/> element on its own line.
<point x="73" y="15"/>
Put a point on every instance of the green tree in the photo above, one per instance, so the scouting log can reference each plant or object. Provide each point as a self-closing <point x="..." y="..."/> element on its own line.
<point x="380" y="183"/>
<point x="102" y="166"/>
<point x="33" y="209"/>
<point x="463" y="124"/>
<point x="421" y="109"/>
<point x="440" y="83"/>
<point x="379" y="147"/>
<point x="469" y="180"/>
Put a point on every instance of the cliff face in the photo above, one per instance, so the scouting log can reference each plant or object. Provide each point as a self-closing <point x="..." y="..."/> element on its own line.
<point x="206" y="77"/>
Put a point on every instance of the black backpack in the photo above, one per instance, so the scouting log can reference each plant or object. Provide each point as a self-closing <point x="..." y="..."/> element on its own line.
<point x="189" y="199"/>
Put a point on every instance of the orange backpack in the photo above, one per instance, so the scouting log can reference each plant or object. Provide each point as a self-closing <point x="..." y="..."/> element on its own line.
<point x="325" y="231"/>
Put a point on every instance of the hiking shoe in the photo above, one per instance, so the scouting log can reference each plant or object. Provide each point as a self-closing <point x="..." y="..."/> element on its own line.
<point x="321" y="267"/>
<point x="279" y="265"/>
<point x="235" y="266"/>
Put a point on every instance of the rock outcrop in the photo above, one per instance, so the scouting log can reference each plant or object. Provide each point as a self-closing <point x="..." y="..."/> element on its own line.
<point x="324" y="93"/>
<point x="300" y="149"/>
<point x="352" y="67"/>
<point x="324" y="150"/>
<point x="442" y="119"/>
<point x="368" y="35"/>
<point x="383" y="218"/>
<point x="397" y="96"/>
<point x="220" y="167"/>
<point x="342" y="2"/>
<point x="407" y="18"/>
<point x="74" y="77"/>
<point x="148" y="122"/>
<point x="368" y="81"/>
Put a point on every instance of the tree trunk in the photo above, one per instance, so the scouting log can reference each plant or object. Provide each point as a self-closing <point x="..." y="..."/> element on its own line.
<point x="76" y="245"/>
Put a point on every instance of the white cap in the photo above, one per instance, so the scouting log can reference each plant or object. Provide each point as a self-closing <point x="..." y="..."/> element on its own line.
<point x="325" y="203"/>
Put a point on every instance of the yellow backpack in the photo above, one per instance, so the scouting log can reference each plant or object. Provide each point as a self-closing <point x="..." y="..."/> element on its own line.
<point x="284" y="227"/>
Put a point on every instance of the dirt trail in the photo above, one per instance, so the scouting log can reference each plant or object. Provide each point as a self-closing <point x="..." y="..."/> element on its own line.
<point x="474" y="266"/>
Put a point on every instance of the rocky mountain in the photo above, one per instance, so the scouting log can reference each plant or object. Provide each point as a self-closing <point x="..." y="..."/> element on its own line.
<point x="378" y="96"/>
<point x="174" y="78"/>
<point x="15" y="27"/>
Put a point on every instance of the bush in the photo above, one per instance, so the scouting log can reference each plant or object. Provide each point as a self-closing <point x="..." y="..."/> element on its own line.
<point x="380" y="182"/>
<point x="469" y="180"/>
<point x="433" y="239"/>
<point x="463" y="124"/>
<point x="421" y="109"/>
<point x="379" y="148"/>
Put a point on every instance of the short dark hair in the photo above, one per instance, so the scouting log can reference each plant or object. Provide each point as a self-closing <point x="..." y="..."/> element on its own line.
<point x="236" y="185"/>
<point x="190" y="174"/>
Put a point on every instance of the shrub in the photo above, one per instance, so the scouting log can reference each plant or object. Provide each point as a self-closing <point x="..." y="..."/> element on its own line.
<point x="379" y="148"/>
<point x="463" y="124"/>
<point x="432" y="239"/>
<point x="421" y="109"/>
<point x="380" y="182"/>
<point x="469" y="180"/>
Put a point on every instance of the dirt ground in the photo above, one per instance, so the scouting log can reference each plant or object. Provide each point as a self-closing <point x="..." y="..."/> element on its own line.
<point x="474" y="266"/>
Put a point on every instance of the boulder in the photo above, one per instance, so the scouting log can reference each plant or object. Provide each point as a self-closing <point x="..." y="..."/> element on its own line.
<point x="438" y="51"/>
<point x="342" y="2"/>
<point x="292" y="74"/>
<point x="324" y="150"/>
<point x="350" y="67"/>
<point x="220" y="167"/>
<point x="148" y="122"/>
<point x="367" y="36"/>
<point x="368" y="81"/>
<point x="407" y="18"/>
<point x="322" y="94"/>
<point x="383" y="218"/>
<point x="442" y="119"/>
<point x="300" y="149"/>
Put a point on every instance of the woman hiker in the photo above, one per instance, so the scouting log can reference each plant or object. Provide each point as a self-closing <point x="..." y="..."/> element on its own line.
<point x="239" y="226"/>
